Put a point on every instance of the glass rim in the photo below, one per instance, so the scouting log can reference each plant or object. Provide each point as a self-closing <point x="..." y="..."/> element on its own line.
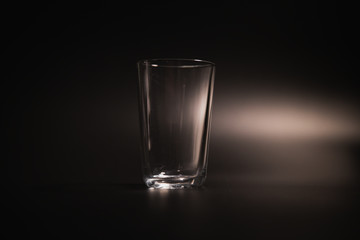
<point x="176" y="62"/>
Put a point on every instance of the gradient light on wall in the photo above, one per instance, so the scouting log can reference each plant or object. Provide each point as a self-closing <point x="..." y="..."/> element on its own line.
<point x="267" y="137"/>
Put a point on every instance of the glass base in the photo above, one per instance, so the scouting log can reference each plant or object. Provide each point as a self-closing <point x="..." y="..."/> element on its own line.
<point x="174" y="182"/>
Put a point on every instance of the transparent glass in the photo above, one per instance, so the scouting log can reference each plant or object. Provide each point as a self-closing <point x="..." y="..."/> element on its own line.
<point x="175" y="98"/>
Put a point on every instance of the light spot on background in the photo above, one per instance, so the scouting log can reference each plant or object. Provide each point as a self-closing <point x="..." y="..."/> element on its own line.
<point x="269" y="138"/>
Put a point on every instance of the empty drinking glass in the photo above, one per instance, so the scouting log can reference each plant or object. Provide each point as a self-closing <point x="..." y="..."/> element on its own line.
<point x="175" y="98"/>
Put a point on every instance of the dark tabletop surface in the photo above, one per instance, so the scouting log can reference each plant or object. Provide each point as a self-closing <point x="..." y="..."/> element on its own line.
<point x="221" y="209"/>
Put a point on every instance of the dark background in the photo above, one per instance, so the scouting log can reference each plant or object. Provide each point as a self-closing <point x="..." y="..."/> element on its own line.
<point x="284" y="157"/>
